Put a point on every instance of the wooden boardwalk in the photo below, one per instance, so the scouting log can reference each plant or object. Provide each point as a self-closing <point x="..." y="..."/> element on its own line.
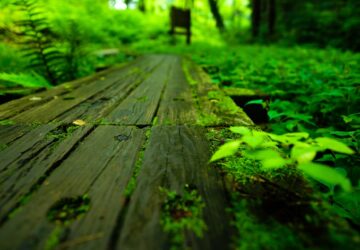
<point x="108" y="143"/>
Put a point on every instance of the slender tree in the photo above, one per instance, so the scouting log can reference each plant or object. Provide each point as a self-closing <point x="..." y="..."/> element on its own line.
<point x="256" y="17"/>
<point x="214" y="7"/>
<point x="271" y="18"/>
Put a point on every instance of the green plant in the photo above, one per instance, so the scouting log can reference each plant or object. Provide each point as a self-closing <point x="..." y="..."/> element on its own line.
<point x="36" y="38"/>
<point x="28" y="80"/>
<point x="277" y="151"/>
<point x="68" y="209"/>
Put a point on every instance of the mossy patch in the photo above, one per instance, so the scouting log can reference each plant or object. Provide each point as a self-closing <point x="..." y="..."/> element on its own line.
<point x="6" y="122"/>
<point x="182" y="213"/>
<point x="67" y="210"/>
<point x="62" y="131"/>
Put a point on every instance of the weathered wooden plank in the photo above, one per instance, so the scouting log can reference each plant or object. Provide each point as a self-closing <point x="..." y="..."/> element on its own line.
<point x="31" y="167"/>
<point x="98" y="106"/>
<point x="89" y="110"/>
<point x="107" y="198"/>
<point x="26" y="146"/>
<point x="14" y="107"/>
<point x="58" y="105"/>
<point x="39" y="157"/>
<point x="140" y="106"/>
<point x="176" y="155"/>
<point x="9" y="133"/>
<point x="177" y="105"/>
<point x="216" y="111"/>
<point x="76" y="176"/>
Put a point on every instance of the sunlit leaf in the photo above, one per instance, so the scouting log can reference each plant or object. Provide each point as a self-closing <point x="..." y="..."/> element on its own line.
<point x="303" y="154"/>
<point x="31" y="80"/>
<point x="263" y="154"/>
<point x="273" y="163"/>
<point x="79" y="122"/>
<point x="334" y="145"/>
<point x="228" y="149"/>
<point x="240" y="130"/>
<point x="259" y="101"/>
<point x="325" y="174"/>
<point x="252" y="140"/>
<point x="297" y="135"/>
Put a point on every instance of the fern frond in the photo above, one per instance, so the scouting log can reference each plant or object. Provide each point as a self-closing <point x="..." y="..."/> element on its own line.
<point x="32" y="80"/>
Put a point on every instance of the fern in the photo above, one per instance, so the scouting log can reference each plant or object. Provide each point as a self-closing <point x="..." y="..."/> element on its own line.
<point x="36" y="37"/>
<point x="32" y="80"/>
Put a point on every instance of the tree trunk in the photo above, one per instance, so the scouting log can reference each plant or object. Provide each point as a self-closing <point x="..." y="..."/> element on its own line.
<point x="216" y="14"/>
<point x="256" y="17"/>
<point x="141" y="6"/>
<point x="271" y="18"/>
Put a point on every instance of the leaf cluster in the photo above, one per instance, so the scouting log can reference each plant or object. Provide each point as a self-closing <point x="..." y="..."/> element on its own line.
<point x="36" y="38"/>
<point x="277" y="151"/>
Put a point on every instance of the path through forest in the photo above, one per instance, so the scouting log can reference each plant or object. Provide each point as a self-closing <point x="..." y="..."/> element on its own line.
<point x="84" y="165"/>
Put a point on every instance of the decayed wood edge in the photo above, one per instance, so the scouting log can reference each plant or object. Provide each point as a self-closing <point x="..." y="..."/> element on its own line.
<point x="29" y="228"/>
<point x="177" y="105"/>
<point x="141" y="105"/>
<point x="211" y="111"/>
<point x="9" y="109"/>
<point x="176" y="155"/>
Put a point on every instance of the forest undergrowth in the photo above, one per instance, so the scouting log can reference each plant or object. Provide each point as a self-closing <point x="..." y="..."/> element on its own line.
<point x="298" y="176"/>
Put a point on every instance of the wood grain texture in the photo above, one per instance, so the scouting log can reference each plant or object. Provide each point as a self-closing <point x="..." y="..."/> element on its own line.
<point x="28" y="169"/>
<point x="17" y="106"/>
<point x="140" y="106"/>
<point x="176" y="155"/>
<point x="177" y="105"/>
<point x="77" y="175"/>
<point x="42" y="163"/>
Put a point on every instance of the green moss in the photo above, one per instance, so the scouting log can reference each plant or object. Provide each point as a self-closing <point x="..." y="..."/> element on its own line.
<point x="208" y="119"/>
<point x="3" y="146"/>
<point x="256" y="233"/>
<point x="182" y="213"/>
<point x="142" y="99"/>
<point x="6" y="122"/>
<point x="62" y="131"/>
<point x="54" y="239"/>
<point x="223" y="102"/>
<point x="185" y="67"/>
<point x="67" y="210"/>
<point x="132" y="182"/>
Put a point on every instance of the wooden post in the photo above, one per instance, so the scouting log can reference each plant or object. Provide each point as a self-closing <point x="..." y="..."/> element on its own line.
<point x="181" y="18"/>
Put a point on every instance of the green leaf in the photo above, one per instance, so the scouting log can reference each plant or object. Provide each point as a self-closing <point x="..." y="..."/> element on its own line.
<point x="26" y="80"/>
<point x="253" y="141"/>
<point x="263" y="154"/>
<point x="325" y="174"/>
<point x="347" y="119"/>
<point x="259" y="101"/>
<point x="303" y="154"/>
<point x="297" y="135"/>
<point x="274" y="114"/>
<point x="240" y="130"/>
<point x="228" y="149"/>
<point x="334" y="145"/>
<point x="273" y="163"/>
